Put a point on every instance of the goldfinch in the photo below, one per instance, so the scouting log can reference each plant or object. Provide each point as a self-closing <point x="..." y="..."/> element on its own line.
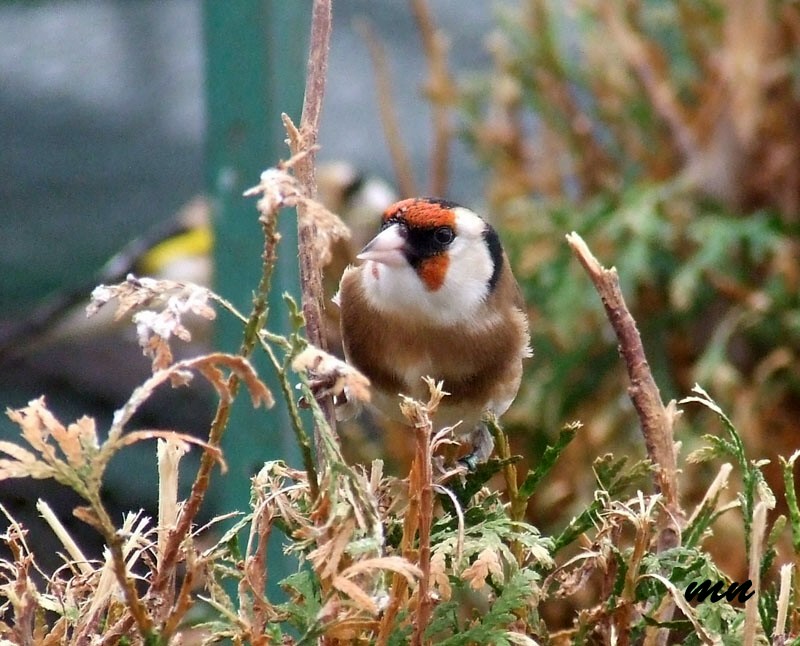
<point x="181" y="249"/>
<point x="434" y="295"/>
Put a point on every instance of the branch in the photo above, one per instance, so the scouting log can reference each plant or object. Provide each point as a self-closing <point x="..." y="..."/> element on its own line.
<point x="304" y="169"/>
<point x="423" y="490"/>
<point x="305" y="139"/>
<point x="656" y="420"/>
<point x="440" y="90"/>
<point x="642" y="57"/>
<point x="99" y="518"/>
<point x="253" y="324"/>
<point x="403" y="170"/>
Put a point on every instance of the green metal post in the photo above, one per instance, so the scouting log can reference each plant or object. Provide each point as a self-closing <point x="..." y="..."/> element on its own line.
<point x="255" y="67"/>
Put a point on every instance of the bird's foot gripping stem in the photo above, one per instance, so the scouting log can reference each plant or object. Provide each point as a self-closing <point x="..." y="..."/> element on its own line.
<point x="482" y="447"/>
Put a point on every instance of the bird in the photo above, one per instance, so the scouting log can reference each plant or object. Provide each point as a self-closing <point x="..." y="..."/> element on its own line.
<point x="434" y="295"/>
<point x="177" y="249"/>
<point x="181" y="249"/>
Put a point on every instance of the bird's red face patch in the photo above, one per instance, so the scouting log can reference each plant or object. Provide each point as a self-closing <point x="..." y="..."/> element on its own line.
<point x="432" y="271"/>
<point x="420" y="213"/>
<point x="428" y="225"/>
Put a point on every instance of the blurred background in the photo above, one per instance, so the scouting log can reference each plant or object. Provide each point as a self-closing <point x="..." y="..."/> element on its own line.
<point x="666" y="133"/>
<point x="106" y="138"/>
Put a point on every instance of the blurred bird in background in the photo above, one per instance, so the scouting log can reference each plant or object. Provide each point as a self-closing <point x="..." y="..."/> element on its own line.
<point x="180" y="250"/>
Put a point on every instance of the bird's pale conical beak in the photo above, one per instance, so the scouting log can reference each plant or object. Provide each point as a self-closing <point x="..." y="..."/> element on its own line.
<point x="386" y="247"/>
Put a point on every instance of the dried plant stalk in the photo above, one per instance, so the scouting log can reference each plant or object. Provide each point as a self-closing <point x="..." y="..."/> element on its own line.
<point x="305" y="139"/>
<point x="227" y="390"/>
<point x="440" y="90"/>
<point x="169" y="454"/>
<point x="517" y="504"/>
<point x="403" y="170"/>
<point x="783" y="600"/>
<point x="418" y="518"/>
<point x="655" y="419"/>
<point x="64" y="536"/>
<point x="397" y="595"/>
<point x="752" y="623"/>
<point x="423" y="490"/>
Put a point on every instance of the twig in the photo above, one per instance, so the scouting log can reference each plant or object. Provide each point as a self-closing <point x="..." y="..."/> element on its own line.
<point x="440" y="90"/>
<point x="397" y="594"/>
<point x="255" y="322"/>
<point x="286" y="189"/>
<point x="418" y="518"/>
<point x="114" y="541"/>
<point x="655" y="419"/>
<point x="183" y="603"/>
<point x="424" y="491"/>
<point x="256" y="568"/>
<point x="752" y="623"/>
<point x="642" y="58"/>
<point x="517" y="504"/>
<point x="404" y="173"/>
<point x="282" y="373"/>
<point x="592" y="164"/>
<point x="305" y="139"/>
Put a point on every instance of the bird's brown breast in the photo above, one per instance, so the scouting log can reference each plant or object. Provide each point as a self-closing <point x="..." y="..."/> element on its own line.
<point x="478" y="363"/>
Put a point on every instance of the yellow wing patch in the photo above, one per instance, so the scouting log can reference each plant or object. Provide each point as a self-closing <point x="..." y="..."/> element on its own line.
<point x="197" y="241"/>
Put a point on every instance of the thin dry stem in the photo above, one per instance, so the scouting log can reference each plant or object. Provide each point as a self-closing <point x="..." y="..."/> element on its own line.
<point x="655" y="419"/>
<point x="115" y="541"/>
<point x="256" y="570"/>
<point x="440" y="90"/>
<point x="169" y="454"/>
<point x="752" y="623"/>
<point x="418" y="518"/>
<point x="403" y="170"/>
<point x="64" y="536"/>
<point x="172" y="548"/>
<point x="183" y="603"/>
<point x="423" y="489"/>
<point x="644" y="60"/>
<point x="279" y="189"/>
<point x="171" y="552"/>
<point x="305" y="138"/>
<point x="783" y="599"/>
<point x="712" y="493"/>
<point x="199" y="487"/>
<point x="397" y="594"/>
<point x="518" y="505"/>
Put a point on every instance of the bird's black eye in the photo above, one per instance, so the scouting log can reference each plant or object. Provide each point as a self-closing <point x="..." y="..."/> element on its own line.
<point x="444" y="236"/>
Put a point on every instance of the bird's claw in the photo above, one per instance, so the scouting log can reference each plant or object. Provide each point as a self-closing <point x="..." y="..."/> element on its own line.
<point x="321" y="388"/>
<point x="482" y="447"/>
<point x="470" y="462"/>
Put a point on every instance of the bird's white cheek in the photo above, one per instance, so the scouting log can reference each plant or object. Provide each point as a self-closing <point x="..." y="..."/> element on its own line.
<point x="390" y="289"/>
